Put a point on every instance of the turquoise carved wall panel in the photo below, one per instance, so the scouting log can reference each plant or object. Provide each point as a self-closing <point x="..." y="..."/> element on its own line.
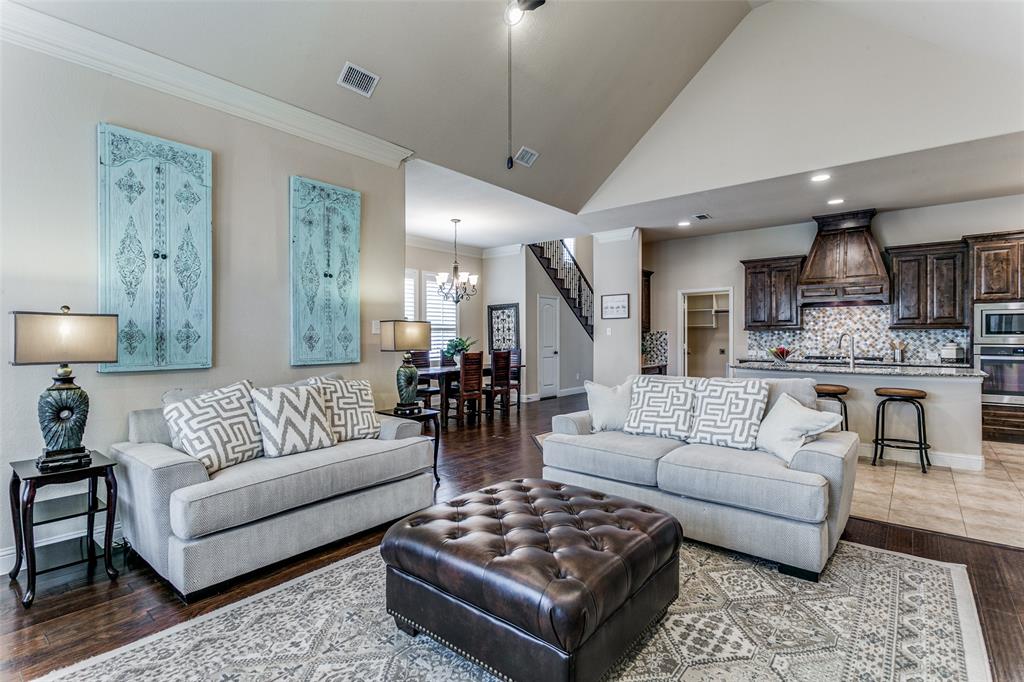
<point x="324" y="265"/>
<point x="155" y="267"/>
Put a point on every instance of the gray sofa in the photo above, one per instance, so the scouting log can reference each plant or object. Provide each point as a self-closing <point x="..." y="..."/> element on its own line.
<point x="745" y="500"/>
<point x="197" y="529"/>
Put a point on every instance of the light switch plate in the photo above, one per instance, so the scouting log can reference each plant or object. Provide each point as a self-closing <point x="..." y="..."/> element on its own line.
<point x="375" y="327"/>
<point x="607" y="331"/>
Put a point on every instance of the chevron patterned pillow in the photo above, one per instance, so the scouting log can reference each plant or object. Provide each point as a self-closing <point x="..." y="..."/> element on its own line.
<point x="218" y="428"/>
<point x="661" y="406"/>
<point x="292" y="419"/>
<point x="729" y="413"/>
<point x="349" y="408"/>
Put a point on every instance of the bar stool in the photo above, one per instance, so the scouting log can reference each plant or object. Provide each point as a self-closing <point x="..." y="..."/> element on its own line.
<point x="901" y="395"/>
<point x="835" y="392"/>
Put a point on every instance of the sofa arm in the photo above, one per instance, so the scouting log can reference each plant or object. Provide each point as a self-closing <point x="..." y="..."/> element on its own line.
<point x="573" y="424"/>
<point x="146" y="476"/>
<point x="834" y="456"/>
<point x="396" y="428"/>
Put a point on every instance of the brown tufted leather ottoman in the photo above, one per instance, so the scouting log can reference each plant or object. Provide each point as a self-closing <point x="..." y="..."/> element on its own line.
<point x="532" y="579"/>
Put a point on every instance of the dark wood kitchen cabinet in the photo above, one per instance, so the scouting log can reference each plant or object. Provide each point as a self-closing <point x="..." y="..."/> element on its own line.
<point x="645" y="302"/>
<point x="770" y="286"/>
<point x="996" y="261"/>
<point x="929" y="285"/>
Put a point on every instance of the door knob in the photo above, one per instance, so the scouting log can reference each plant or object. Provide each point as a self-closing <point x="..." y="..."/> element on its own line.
<point x="556" y="352"/>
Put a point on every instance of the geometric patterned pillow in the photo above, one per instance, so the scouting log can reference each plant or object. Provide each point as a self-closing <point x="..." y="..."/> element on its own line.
<point x="729" y="412"/>
<point x="218" y="428"/>
<point x="292" y="419"/>
<point x="349" y="408"/>
<point x="661" y="406"/>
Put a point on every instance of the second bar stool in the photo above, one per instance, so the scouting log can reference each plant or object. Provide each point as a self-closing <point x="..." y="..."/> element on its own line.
<point x="901" y="395"/>
<point x="835" y="392"/>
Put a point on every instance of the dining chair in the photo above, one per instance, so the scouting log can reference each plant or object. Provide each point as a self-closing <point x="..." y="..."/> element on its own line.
<point x="515" y="360"/>
<point x="501" y="381"/>
<point x="421" y="360"/>
<point x="447" y="360"/>
<point x="471" y="384"/>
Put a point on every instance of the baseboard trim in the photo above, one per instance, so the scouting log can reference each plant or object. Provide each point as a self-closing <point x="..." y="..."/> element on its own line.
<point x="575" y="390"/>
<point x="531" y="397"/>
<point x="954" y="460"/>
<point x="7" y="553"/>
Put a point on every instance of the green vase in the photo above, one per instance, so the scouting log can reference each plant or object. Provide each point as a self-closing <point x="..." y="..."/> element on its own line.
<point x="408" y="378"/>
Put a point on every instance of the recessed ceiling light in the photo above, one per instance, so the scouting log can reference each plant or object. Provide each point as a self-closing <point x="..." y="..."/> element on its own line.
<point x="835" y="202"/>
<point x="683" y="223"/>
<point x="820" y="177"/>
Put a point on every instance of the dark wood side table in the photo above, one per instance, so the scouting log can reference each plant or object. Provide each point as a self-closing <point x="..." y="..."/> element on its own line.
<point x="426" y="415"/>
<point x="26" y="480"/>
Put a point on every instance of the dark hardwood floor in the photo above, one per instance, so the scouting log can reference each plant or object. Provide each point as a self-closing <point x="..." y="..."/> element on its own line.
<point x="74" y="618"/>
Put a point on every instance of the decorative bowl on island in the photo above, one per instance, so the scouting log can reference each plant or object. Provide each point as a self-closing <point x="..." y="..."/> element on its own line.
<point x="780" y="354"/>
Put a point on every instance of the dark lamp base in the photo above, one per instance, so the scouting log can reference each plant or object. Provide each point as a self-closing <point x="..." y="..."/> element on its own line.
<point x="408" y="409"/>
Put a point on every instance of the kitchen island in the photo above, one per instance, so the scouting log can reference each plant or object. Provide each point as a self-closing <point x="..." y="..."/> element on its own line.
<point x="952" y="408"/>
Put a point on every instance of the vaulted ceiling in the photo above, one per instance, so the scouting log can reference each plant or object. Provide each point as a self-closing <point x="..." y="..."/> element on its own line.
<point x="589" y="78"/>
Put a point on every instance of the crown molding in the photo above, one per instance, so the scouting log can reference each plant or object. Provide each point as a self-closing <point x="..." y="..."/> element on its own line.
<point x="34" y="30"/>
<point x="443" y="247"/>
<point x="501" y="251"/>
<point x="619" y="235"/>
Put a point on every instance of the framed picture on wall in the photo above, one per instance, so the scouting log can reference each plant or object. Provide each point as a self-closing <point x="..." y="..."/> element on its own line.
<point x="615" y="307"/>
<point x="502" y="326"/>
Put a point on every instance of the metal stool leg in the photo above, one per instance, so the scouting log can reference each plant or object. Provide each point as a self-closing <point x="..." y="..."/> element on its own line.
<point x="879" y="418"/>
<point x="922" y="441"/>
<point x="846" y="417"/>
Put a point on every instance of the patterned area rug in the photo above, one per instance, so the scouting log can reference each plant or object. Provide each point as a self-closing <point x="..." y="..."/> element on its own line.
<point x="875" y="615"/>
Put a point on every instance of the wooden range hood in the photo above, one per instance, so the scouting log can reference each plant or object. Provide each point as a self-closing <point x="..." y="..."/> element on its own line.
<point x="844" y="266"/>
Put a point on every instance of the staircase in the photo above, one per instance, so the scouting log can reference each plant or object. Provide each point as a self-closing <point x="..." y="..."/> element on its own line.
<point x="567" y="277"/>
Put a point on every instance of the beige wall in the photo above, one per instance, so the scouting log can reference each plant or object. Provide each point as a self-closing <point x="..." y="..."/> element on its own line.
<point x="472" y="311"/>
<point x="48" y="239"/>
<point x="714" y="261"/>
<point x="704" y="344"/>
<point x="617" y="271"/>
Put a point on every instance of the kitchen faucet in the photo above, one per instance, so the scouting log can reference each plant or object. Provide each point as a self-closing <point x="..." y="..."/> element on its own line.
<point x="853" y="345"/>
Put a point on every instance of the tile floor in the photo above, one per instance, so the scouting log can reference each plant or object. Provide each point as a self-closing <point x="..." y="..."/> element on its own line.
<point x="984" y="505"/>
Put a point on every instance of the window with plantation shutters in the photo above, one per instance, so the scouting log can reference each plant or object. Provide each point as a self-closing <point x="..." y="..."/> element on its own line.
<point x="410" y="293"/>
<point x="442" y="315"/>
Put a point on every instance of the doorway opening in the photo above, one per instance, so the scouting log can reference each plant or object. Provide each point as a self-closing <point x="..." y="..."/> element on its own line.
<point x="549" y="370"/>
<point x="705" y="332"/>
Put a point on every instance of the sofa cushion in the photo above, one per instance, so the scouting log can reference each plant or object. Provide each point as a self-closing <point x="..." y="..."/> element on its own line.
<point x="609" y="454"/>
<point x="218" y="428"/>
<point x="748" y="479"/>
<point x="661" y="406"/>
<point x="728" y="413"/>
<point x="608" y="405"/>
<point x="266" y="486"/>
<point x="349" y="408"/>
<point x="292" y="419"/>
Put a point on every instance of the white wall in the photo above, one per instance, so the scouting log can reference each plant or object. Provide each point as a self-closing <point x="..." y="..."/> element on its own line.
<point x="799" y="86"/>
<point x="714" y="261"/>
<point x="49" y="236"/>
<point x="617" y="271"/>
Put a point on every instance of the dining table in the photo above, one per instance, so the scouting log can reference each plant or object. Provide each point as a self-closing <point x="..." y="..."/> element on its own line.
<point x="445" y="375"/>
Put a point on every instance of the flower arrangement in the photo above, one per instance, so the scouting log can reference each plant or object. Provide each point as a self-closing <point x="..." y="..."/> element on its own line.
<point x="780" y="354"/>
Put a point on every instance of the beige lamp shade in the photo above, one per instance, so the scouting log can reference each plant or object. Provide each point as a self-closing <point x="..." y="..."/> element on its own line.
<point x="63" y="338"/>
<point x="404" y="335"/>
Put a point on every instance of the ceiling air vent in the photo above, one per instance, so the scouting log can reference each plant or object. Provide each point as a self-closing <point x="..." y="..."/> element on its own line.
<point x="702" y="216"/>
<point x="358" y="79"/>
<point x="526" y="156"/>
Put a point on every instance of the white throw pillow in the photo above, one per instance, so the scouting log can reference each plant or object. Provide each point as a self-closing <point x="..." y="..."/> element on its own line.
<point x="789" y="425"/>
<point x="608" y="405"/>
<point x="292" y="419"/>
<point x="218" y="428"/>
<point x="728" y="412"/>
<point x="349" y="408"/>
<point x="661" y="406"/>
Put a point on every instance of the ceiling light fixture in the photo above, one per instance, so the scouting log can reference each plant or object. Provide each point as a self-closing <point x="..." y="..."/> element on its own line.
<point x="683" y="223"/>
<point x="835" y="202"/>
<point x="820" y="177"/>
<point x="458" y="285"/>
<point x="514" y="12"/>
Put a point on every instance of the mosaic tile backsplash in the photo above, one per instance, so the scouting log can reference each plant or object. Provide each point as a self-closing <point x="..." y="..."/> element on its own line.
<point x="823" y="327"/>
<point x="654" y="347"/>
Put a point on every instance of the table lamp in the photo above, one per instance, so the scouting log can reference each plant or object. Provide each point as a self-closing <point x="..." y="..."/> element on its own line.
<point x="62" y="338"/>
<point x="405" y="336"/>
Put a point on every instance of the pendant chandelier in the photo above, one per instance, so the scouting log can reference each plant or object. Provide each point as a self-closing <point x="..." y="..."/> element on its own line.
<point x="456" y="286"/>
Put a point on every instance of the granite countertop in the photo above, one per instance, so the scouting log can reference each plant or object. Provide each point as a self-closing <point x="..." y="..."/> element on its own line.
<point x="960" y="372"/>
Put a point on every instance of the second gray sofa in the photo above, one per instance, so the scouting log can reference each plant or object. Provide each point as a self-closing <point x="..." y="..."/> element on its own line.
<point x="746" y="500"/>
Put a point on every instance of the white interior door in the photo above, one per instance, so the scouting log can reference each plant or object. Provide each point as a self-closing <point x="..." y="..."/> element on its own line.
<point x="684" y="344"/>
<point x="547" y="342"/>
